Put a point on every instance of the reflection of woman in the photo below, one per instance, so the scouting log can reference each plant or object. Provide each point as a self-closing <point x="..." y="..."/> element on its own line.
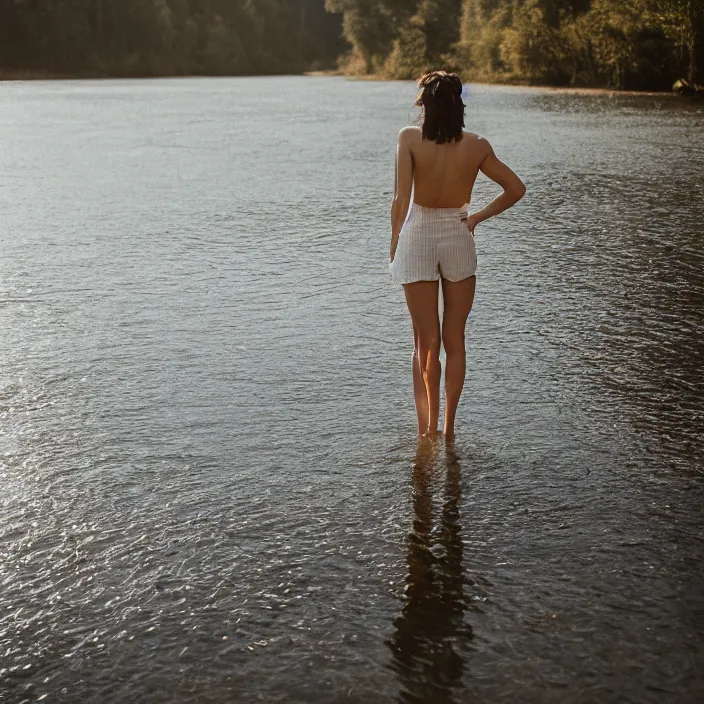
<point x="430" y="628"/>
<point x="434" y="240"/>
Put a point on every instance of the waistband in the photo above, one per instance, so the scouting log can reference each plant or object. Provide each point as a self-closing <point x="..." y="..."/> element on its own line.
<point x="438" y="213"/>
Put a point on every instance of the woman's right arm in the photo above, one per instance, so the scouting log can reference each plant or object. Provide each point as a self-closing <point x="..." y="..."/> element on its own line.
<point x="497" y="171"/>
<point x="403" y="185"/>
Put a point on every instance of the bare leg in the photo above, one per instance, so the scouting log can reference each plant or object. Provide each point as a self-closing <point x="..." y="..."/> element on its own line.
<point x="422" y="300"/>
<point x="458" y="297"/>
<point x="420" y="393"/>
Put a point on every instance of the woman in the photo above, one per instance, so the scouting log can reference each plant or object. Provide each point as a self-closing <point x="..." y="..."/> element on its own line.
<point x="434" y="241"/>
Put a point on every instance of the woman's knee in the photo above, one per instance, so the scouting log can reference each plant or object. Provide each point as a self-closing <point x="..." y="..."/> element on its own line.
<point x="453" y="342"/>
<point x="428" y="347"/>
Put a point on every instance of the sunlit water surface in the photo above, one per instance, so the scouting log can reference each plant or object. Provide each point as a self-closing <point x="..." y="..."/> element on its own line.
<point x="210" y="488"/>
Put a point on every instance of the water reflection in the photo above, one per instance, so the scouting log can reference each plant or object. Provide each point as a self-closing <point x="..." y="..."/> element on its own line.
<point x="429" y="632"/>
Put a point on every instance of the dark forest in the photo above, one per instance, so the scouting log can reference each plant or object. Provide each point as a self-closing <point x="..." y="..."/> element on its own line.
<point x="638" y="44"/>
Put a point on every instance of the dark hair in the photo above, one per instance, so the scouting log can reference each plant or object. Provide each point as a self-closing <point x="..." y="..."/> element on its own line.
<point x="440" y="96"/>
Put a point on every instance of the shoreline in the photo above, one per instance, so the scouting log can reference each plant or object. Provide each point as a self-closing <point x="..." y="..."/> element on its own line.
<point x="19" y="76"/>
<point x="14" y="76"/>
<point x="584" y="90"/>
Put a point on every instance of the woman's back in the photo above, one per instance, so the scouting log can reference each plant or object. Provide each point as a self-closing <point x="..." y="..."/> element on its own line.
<point x="444" y="174"/>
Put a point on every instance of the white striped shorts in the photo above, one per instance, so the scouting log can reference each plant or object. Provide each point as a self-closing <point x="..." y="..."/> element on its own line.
<point x="434" y="243"/>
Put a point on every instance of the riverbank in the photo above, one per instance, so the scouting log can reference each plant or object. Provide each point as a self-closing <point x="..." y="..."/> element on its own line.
<point x="574" y="90"/>
<point x="13" y="75"/>
<point x="7" y="76"/>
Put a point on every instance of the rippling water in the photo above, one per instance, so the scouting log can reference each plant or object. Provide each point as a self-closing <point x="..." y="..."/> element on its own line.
<point x="211" y="490"/>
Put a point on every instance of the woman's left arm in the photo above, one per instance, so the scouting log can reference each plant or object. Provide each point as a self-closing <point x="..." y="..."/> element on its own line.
<point x="403" y="183"/>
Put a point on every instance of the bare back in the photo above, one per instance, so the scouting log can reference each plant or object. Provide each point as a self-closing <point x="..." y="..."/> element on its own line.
<point x="444" y="174"/>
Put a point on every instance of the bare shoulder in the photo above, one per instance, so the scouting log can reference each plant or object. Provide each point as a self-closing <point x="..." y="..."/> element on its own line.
<point x="477" y="143"/>
<point x="409" y="135"/>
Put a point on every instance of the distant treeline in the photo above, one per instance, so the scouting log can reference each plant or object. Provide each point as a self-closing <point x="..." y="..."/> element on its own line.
<point x="167" y="37"/>
<point x="615" y="43"/>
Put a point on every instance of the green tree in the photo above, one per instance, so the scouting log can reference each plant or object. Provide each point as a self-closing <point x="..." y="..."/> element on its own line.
<point x="409" y="57"/>
<point x="424" y="39"/>
<point x="683" y="22"/>
<point x="482" y="27"/>
<point x="531" y="47"/>
<point x="369" y="28"/>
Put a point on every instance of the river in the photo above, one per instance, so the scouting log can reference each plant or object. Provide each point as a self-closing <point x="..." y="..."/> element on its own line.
<point x="211" y="490"/>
